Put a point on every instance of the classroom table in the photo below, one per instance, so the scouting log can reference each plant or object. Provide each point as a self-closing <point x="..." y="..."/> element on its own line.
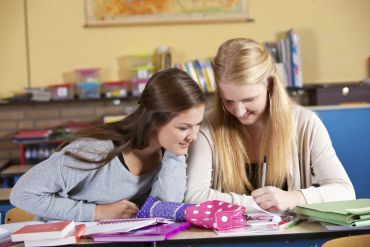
<point x="4" y="163"/>
<point x="304" y="234"/>
<point x="4" y="203"/>
<point x="12" y="173"/>
<point x="15" y="170"/>
<point x="4" y="195"/>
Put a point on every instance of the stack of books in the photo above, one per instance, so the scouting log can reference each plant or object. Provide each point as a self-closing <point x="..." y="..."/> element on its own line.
<point x="49" y="234"/>
<point x="115" y="230"/>
<point x="33" y="135"/>
<point x="134" y="230"/>
<point x="355" y="213"/>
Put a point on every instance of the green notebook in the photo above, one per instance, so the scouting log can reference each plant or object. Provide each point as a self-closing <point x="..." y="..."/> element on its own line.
<point x="351" y="212"/>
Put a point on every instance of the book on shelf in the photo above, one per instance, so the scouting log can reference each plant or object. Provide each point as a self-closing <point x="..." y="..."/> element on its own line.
<point x="157" y="232"/>
<point x="120" y="225"/>
<point x="201" y="71"/>
<point x="349" y="212"/>
<point x="29" y="135"/>
<point x="43" y="231"/>
<point x="296" y="66"/>
<point x="72" y="237"/>
<point x="211" y="76"/>
<point x="190" y="69"/>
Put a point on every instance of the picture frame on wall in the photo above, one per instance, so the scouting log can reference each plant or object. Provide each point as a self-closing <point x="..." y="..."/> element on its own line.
<point x="133" y="12"/>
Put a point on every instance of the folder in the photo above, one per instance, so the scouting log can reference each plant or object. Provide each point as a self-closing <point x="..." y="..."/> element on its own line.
<point x="350" y="212"/>
<point x="153" y="233"/>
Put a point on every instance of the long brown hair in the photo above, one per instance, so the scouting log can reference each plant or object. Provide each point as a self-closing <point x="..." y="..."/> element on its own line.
<point x="167" y="93"/>
<point x="244" y="61"/>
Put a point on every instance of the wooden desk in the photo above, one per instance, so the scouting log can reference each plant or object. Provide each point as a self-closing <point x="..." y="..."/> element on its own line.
<point x="4" y="195"/>
<point x="11" y="173"/>
<point x="4" y="163"/>
<point x="304" y="234"/>
<point x="15" y="170"/>
<point x="4" y="203"/>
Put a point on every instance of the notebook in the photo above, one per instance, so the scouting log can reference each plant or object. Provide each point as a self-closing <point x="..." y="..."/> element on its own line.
<point x="333" y="227"/>
<point x="72" y="237"/>
<point x="263" y="229"/>
<point x="157" y="232"/>
<point x="120" y="225"/>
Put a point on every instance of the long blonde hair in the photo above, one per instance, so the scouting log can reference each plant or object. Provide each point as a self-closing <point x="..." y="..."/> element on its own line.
<point x="244" y="61"/>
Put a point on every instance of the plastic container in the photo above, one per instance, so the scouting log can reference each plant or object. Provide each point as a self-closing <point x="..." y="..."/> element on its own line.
<point x="115" y="89"/>
<point x="137" y="86"/>
<point x="88" y="90"/>
<point x="141" y="66"/>
<point x="141" y="59"/>
<point x="141" y="72"/>
<point x="162" y="58"/>
<point x="62" y="91"/>
<point x="87" y="75"/>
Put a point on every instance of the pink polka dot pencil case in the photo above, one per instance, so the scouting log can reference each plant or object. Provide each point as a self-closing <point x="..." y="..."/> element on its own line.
<point x="216" y="214"/>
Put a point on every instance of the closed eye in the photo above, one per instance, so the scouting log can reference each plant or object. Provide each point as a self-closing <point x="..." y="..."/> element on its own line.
<point x="183" y="128"/>
<point x="248" y="100"/>
<point x="228" y="102"/>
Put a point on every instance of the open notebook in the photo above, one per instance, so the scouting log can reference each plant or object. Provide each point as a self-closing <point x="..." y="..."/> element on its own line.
<point x="120" y="225"/>
<point x="259" y="222"/>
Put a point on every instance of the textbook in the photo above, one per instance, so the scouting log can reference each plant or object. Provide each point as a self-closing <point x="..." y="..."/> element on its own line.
<point x="120" y="225"/>
<point x="72" y="237"/>
<point x="350" y="212"/>
<point x="157" y="232"/>
<point x="43" y="231"/>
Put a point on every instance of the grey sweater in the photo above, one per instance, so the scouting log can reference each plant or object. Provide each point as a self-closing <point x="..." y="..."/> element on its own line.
<point x="55" y="189"/>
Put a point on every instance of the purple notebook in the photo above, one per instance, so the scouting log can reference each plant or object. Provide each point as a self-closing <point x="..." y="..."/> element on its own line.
<point x="157" y="232"/>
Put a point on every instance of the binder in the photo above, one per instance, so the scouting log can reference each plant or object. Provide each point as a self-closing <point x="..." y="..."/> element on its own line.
<point x="350" y="212"/>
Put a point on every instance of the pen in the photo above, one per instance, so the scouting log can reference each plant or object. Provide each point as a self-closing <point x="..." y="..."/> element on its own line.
<point x="264" y="172"/>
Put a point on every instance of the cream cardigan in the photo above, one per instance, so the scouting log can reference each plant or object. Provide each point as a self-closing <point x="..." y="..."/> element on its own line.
<point x="313" y="152"/>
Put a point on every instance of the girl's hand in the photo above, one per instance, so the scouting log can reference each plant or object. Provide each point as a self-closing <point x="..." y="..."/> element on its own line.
<point x="272" y="199"/>
<point x="117" y="210"/>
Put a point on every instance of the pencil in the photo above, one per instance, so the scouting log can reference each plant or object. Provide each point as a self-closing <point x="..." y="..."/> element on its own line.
<point x="264" y="172"/>
<point x="293" y="223"/>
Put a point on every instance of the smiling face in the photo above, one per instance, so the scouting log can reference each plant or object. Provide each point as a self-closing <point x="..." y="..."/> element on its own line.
<point x="246" y="102"/>
<point x="178" y="133"/>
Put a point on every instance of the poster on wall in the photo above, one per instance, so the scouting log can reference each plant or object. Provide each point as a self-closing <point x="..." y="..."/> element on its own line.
<point x="123" y="12"/>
